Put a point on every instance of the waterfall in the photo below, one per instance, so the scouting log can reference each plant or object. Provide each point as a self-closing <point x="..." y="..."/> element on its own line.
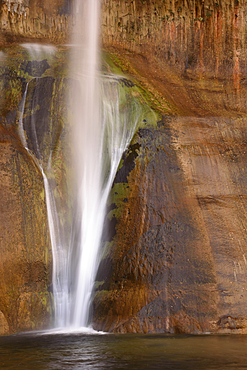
<point x="59" y="278"/>
<point x="102" y="151"/>
<point x="103" y="128"/>
<point x="87" y="156"/>
<point x="103" y="122"/>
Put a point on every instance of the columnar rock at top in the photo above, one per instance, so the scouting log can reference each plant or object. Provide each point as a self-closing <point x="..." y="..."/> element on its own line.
<point x="191" y="35"/>
<point x="32" y="19"/>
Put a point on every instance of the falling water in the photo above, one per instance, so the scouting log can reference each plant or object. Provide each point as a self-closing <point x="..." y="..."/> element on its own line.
<point x="38" y="51"/>
<point x="103" y="129"/>
<point x="104" y="122"/>
<point x="101" y="153"/>
<point x="59" y="278"/>
<point x="87" y="139"/>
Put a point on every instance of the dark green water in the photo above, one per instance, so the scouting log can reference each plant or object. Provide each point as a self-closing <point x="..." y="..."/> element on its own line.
<point x="36" y="352"/>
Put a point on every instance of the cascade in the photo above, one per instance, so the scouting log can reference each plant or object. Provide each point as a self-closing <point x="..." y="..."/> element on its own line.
<point x="103" y="123"/>
<point x="87" y="156"/>
<point x="60" y="288"/>
<point x="102" y="130"/>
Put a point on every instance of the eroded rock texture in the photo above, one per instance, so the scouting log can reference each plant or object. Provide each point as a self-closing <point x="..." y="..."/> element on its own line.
<point x="174" y="258"/>
<point x="25" y="262"/>
<point x="177" y="258"/>
<point x="177" y="261"/>
<point x="26" y="300"/>
<point x="27" y="20"/>
<point x="195" y="36"/>
<point x="177" y="251"/>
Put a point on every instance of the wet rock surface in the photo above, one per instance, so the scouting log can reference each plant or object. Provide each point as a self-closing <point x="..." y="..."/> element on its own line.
<point x="26" y="301"/>
<point x="174" y="255"/>
<point x="160" y="277"/>
<point x="25" y="263"/>
<point x="177" y="262"/>
<point x="36" y="69"/>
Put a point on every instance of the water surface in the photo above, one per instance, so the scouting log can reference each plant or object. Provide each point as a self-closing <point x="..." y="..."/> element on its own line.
<point x="82" y="351"/>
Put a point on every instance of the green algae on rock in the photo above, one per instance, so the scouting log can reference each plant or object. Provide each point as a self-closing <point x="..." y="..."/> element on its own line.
<point x="174" y="253"/>
<point x="37" y="119"/>
<point x="26" y="301"/>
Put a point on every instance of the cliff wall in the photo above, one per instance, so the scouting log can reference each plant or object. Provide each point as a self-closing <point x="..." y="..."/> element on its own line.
<point x="42" y="21"/>
<point x="37" y="105"/>
<point x="175" y="257"/>
<point x="193" y="35"/>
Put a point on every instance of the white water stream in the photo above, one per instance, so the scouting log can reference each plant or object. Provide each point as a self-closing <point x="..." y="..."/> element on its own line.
<point x="102" y="129"/>
<point x="102" y="150"/>
<point x="60" y="266"/>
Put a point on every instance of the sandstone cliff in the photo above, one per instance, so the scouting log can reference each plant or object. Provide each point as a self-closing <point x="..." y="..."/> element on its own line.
<point x="26" y="300"/>
<point x="174" y="259"/>
<point x="26" y="20"/>
<point x="177" y="256"/>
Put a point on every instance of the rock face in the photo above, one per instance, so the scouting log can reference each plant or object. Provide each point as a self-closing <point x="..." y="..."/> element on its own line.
<point x="199" y="36"/>
<point x="25" y="264"/>
<point x="43" y="21"/>
<point x="175" y="260"/>
<point x="26" y="300"/>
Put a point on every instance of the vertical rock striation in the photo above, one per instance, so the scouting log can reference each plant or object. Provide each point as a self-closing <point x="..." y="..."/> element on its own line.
<point x="194" y="36"/>
<point x="43" y="21"/>
<point x="25" y="263"/>
<point x="175" y="256"/>
<point x="26" y="300"/>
